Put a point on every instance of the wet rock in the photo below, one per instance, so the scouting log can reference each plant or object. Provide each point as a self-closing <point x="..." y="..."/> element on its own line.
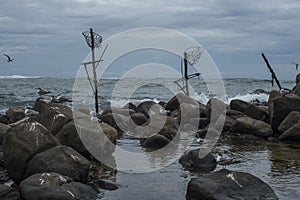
<point x="60" y="159"/>
<point x="202" y="122"/>
<point x="52" y="116"/>
<point x="120" y="111"/>
<point x="296" y="90"/>
<point x="144" y="107"/>
<point x="249" y="109"/>
<point x="117" y="121"/>
<point x="156" y="141"/>
<point x="104" y="184"/>
<point x="259" y="91"/>
<point x="297" y="79"/>
<point x="3" y="130"/>
<point x="291" y="119"/>
<point x="292" y="134"/>
<point x="9" y="193"/>
<point x="178" y="99"/>
<point x="53" y="186"/>
<point x="4" y="119"/>
<point x="214" y="109"/>
<point x="225" y="184"/>
<point x="203" y="161"/>
<point x="281" y="107"/>
<point x="139" y="118"/>
<point x="252" y="126"/>
<point x="15" y="114"/>
<point x="22" y="141"/>
<point x="129" y="105"/>
<point x="163" y="104"/>
<point x="273" y="95"/>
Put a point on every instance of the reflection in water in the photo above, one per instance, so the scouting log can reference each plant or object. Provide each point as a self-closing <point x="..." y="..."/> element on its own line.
<point x="277" y="164"/>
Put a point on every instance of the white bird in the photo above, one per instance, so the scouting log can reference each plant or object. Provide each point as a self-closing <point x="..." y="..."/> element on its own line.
<point x="284" y="91"/>
<point x="30" y="112"/>
<point x="94" y="117"/>
<point x="223" y="159"/>
<point x="42" y="92"/>
<point x="9" y="59"/>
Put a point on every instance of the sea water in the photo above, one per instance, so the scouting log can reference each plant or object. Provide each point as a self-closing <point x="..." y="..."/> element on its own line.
<point x="275" y="163"/>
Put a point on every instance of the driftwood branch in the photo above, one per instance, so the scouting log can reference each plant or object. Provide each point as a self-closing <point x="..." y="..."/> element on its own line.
<point x="271" y="70"/>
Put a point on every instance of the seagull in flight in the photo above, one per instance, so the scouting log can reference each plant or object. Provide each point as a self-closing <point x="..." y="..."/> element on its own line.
<point x="9" y="59"/>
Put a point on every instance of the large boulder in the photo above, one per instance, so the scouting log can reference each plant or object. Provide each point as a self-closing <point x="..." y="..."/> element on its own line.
<point x="69" y="136"/>
<point x="9" y="193"/>
<point x="139" y="118"/>
<point x="296" y="90"/>
<point x="3" y="130"/>
<point x="60" y="159"/>
<point x="281" y="107"/>
<point x="15" y="114"/>
<point x="214" y="109"/>
<point x="145" y="107"/>
<point x="117" y="121"/>
<point x="249" y="109"/>
<point x="297" y="79"/>
<point x="178" y="99"/>
<point x="291" y="119"/>
<point x="22" y="141"/>
<point x="4" y="119"/>
<point x="52" y="116"/>
<point x="121" y="111"/>
<point x="53" y="186"/>
<point x="198" y="161"/>
<point x="129" y="105"/>
<point x="225" y="185"/>
<point x="292" y="133"/>
<point x="252" y="126"/>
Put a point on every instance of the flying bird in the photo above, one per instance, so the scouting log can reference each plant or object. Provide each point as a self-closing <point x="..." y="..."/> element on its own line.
<point x="296" y="64"/>
<point x="9" y="59"/>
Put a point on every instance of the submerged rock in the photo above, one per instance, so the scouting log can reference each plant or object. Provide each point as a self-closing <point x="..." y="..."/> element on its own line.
<point x="193" y="160"/>
<point x="22" y="141"/>
<point x="53" y="186"/>
<point x="225" y="185"/>
<point x="61" y="159"/>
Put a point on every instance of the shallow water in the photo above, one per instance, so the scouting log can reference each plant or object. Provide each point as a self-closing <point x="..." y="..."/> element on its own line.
<point x="277" y="164"/>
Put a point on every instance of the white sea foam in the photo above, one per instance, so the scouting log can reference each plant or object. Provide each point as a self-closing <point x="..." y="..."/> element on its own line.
<point x="17" y="76"/>
<point x="250" y="98"/>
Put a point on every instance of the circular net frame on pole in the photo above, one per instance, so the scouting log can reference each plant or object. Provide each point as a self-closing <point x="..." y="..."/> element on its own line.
<point x="88" y="38"/>
<point x="193" y="54"/>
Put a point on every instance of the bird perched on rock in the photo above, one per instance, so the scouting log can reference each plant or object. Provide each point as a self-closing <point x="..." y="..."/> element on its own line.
<point x="30" y="112"/>
<point x="284" y="91"/>
<point x="9" y="59"/>
<point x="94" y="117"/>
<point x="42" y="92"/>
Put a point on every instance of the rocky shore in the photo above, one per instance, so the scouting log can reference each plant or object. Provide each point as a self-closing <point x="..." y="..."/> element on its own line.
<point x="43" y="157"/>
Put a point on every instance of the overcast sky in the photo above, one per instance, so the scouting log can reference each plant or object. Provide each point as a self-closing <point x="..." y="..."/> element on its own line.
<point x="45" y="35"/>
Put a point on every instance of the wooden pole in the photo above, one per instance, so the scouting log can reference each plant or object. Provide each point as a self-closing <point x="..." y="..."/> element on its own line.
<point x="271" y="70"/>
<point x="186" y="74"/>
<point x="94" y="72"/>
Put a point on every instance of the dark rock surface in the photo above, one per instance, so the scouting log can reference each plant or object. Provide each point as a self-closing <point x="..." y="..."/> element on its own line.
<point x="53" y="186"/>
<point x="192" y="160"/>
<point x="228" y="185"/>
<point x="292" y="134"/>
<point x="156" y="141"/>
<point x="9" y="193"/>
<point x="249" y="109"/>
<point x="178" y="99"/>
<point x="22" y="141"/>
<point x="144" y="107"/>
<point x="15" y="114"/>
<point x="291" y="119"/>
<point x="60" y="159"/>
